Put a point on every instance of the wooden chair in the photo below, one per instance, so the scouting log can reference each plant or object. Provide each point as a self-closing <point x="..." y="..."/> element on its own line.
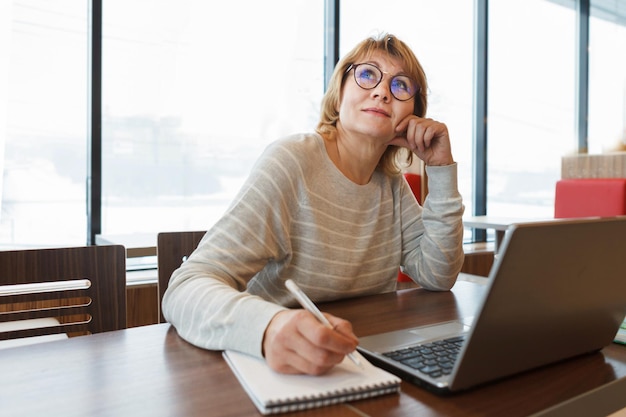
<point x="61" y="291"/>
<point x="172" y="250"/>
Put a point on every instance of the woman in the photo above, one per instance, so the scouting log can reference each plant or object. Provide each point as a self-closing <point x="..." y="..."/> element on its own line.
<point x="332" y="211"/>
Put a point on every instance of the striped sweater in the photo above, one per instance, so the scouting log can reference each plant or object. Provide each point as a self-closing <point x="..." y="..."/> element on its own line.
<point x="298" y="217"/>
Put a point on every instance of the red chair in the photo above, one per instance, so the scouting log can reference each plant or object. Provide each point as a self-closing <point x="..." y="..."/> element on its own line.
<point x="415" y="182"/>
<point x="585" y="197"/>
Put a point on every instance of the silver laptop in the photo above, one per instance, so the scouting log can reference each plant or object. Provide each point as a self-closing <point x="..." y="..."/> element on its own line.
<point x="556" y="291"/>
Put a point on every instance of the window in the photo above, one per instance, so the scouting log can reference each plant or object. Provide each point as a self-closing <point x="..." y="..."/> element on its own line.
<point x="43" y="122"/>
<point x="192" y="93"/>
<point x="531" y="104"/>
<point x="607" y="77"/>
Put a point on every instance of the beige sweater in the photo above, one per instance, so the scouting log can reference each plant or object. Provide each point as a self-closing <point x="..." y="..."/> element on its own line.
<point x="298" y="217"/>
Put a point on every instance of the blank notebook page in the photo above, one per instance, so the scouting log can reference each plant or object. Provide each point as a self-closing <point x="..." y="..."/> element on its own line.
<point x="273" y="392"/>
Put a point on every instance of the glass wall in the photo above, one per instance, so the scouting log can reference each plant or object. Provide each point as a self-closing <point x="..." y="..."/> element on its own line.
<point x="531" y="104"/>
<point x="43" y="123"/>
<point x="607" y="77"/>
<point x="192" y="93"/>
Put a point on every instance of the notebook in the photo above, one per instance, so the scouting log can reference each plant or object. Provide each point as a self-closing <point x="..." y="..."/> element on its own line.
<point x="556" y="290"/>
<point x="274" y="393"/>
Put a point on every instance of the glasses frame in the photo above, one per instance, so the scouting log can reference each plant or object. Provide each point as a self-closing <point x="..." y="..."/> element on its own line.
<point x="355" y="66"/>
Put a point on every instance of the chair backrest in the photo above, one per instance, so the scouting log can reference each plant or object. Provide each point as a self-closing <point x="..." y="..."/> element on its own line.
<point x="415" y="182"/>
<point x="584" y="197"/>
<point x="53" y="291"/>
<point x="172" y="250"/>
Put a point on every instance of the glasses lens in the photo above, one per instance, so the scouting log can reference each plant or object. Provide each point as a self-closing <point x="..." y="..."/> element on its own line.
<point x="367" y="76"/>
<point x="403" y="87"/>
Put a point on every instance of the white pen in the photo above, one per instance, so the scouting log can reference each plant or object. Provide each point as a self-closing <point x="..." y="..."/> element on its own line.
<point x="312" y="308"/>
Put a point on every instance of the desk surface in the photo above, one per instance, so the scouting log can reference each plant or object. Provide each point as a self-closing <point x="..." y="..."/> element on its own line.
<point x="496" y="223"/>
<point x="499" y="224"/>
<point x="150" y="370"/>
<point x="137" y="244"/>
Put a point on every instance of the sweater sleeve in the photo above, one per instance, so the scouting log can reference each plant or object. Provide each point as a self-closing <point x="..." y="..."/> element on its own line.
<point x="206" y="299"/>
<point x="433" y="239"/>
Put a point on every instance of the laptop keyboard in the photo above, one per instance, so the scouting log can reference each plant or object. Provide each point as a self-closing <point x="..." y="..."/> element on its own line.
<point x="434" y="359"/>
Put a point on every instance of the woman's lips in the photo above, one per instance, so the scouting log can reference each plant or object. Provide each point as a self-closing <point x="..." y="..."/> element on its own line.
<point x="377" y="111"/>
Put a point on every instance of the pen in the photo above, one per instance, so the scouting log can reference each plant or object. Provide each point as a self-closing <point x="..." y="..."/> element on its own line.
<point x="312" y="308"/>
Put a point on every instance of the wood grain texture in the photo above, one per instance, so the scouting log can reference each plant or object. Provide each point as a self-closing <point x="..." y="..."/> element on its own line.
<point x="172" y="249"/>
<point x="150" y="370"/>
<point x="99" y="308"/>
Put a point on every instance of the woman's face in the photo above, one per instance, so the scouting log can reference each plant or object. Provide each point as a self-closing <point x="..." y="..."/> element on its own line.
<point x="373" y="112"/>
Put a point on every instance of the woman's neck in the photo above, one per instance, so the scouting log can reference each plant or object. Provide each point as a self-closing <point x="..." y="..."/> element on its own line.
<point x="356" y="160"/>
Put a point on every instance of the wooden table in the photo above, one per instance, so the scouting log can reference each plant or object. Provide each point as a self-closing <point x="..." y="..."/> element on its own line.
<point x="151" y="371"/>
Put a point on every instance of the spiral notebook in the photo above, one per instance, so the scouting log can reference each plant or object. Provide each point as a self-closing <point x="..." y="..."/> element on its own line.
<point x="274" y="393"/>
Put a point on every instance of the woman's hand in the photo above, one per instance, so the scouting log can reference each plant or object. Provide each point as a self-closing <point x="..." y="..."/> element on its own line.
<point x="296" y="342"/>
<point x="426" y="138"/>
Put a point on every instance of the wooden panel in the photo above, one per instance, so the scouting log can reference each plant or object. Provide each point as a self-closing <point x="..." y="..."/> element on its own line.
<point x="97" y="307"/>
<point x="478" y="263"/>
<point x="609" y="165"/>
<point x="142" y="305"/>
<point x="172" y="249"/>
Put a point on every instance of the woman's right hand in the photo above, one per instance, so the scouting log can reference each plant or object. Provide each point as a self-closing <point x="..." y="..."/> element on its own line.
<point x="427" y="138"/>
<point x="295" y="342"/>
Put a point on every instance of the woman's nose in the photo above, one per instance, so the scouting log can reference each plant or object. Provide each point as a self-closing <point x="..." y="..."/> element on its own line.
<point x="383" y="91"/>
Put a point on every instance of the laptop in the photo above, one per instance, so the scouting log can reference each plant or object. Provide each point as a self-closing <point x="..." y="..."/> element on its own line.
<point x="557" y="290"/>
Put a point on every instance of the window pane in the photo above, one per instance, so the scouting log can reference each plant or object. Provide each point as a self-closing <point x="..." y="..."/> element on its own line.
<point x="192" y="93"/>
<point x="445" y="52"/>
<point x="531" y="104"/>
<point x="43" y="122"/>
<point x="607" y="77"/>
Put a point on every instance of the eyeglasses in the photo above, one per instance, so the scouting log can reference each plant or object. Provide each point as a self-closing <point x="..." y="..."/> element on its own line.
<point x="368" y="76"/>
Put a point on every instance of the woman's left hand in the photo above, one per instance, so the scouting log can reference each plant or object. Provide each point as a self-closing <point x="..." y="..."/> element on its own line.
<point x="427" y="138"/>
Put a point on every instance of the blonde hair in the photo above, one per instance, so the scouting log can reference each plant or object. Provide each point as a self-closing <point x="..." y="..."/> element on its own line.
<point x="390" y="162"/>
